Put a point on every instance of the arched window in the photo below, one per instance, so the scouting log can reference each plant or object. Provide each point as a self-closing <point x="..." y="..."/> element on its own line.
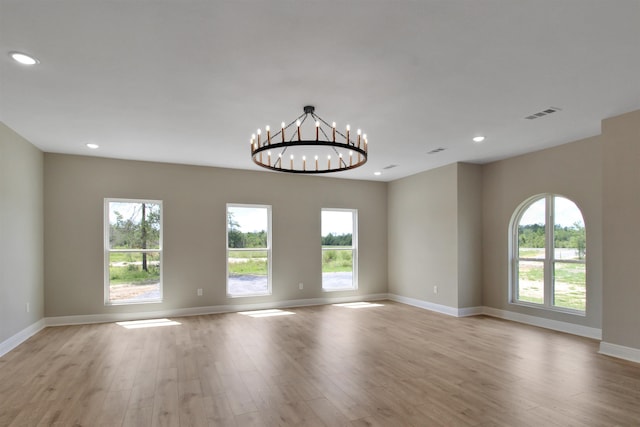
<point x="548" y="254"/>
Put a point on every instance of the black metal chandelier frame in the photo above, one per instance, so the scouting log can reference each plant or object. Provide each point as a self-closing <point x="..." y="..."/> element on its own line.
<point x="350" y="153"/>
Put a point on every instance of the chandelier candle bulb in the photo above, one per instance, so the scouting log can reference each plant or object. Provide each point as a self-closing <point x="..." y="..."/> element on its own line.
<point x="298" y="124"/>
<point x="316" y="162"/>
<point x="359" y="133"/>
<point x="269" y="157"/>
<point x="350" y="158"/>
<point x="333" y="126"/>
<point x="304" y="163"/>
<point x="317" y="129"/>
<point x="268" y="129"/>
<point x="259" y="132"/>
<point x="291" y="162"/>
<point x="282" y="131"/>
<point x="328" y="162"/>
<point x="348" y="130"/>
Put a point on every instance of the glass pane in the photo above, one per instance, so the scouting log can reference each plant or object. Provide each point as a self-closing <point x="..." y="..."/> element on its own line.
<point x="134" y="276"/>
<point x="247" y="226"/>
<point x="337" y="269"/>
<point x="569" y="285"/>
<point x="248" y="272"/>
<point x="337" y="228"/>
<point x="569" y="237"/>
<point x="531" y="281"/>
<point x="531" y="231"/>
<point x="134" y="225"/>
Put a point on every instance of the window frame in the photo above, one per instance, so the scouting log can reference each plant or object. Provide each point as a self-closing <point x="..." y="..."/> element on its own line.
<point x="548" y="262"/>
<point x="269" y="250"/>
<point x="108" y="251"/>
<point x="354" y="249"/>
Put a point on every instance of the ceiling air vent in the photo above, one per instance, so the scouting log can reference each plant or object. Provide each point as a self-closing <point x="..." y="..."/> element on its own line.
<point x="389" y="167"/>
<point x="543" y="113"/>
<point x="436" y="150"/>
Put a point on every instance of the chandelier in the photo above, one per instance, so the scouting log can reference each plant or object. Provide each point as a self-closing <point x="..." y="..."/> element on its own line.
<point x="313" y="146"/>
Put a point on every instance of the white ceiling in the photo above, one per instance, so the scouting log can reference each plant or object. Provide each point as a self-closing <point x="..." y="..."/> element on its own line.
<point x="188" y="81"/>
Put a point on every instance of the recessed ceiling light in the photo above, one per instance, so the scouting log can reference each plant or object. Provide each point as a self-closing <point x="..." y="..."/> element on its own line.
<point x="93" y="146"/>
<point x="377" y="173"/>
<point x="478" y="138"/>
<point x="23" y="58"/>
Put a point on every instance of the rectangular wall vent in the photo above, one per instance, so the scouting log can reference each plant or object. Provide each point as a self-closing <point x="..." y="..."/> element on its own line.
<point x="543" y="113"/>
<point x="436" y="150"/>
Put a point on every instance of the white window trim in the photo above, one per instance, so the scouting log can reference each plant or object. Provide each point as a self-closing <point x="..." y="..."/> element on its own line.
<point x="354" y="249"/>
<point x="268" y="249"/>
<point x="549" y="260"/>
<point x="108" y="250"/>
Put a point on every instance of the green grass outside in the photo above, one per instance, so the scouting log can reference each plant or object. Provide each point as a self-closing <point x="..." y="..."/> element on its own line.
<point x="133" y="276"/>
<point x="570" y="289"/>
<point x="126" y="267"/>
<point x="247" y="254"/>
<point x="248" y="263"/>
<point x="337" y="260"/>
<point x="531" y="252"/>
<point x="254" y="262"/>
<point x="251" y="267"/>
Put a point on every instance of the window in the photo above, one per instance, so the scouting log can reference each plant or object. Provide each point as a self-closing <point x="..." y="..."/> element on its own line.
<point x="248" y="250"/>
<point x="339" y="249"/>
<point x="548" y="254"/>
<point x="133" y="251"/>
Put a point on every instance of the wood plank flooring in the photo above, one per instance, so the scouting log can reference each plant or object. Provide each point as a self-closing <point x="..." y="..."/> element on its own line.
<point x="389" y="365"/>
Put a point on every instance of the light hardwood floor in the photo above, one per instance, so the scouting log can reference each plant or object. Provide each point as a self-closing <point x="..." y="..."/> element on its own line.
<point x="389" y="365"/>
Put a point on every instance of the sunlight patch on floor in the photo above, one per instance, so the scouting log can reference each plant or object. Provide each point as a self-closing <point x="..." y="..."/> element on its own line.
<point x="147" y="323"/>
<point x="266" y="313"/>
<point x="360" y="304"/>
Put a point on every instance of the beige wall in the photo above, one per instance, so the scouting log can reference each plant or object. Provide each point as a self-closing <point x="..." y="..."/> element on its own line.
<point x="194" y="219"/>
<point x="621" y="216"/>
<point x="435" y="236"/>
<point x="21" y="247"/>
<point x="422" y="236"/>
<point x="573" y="170"/>
<point x="469" y="235"/>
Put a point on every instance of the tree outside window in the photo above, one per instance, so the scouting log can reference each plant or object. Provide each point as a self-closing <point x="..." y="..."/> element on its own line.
<point x="133" y="251"/>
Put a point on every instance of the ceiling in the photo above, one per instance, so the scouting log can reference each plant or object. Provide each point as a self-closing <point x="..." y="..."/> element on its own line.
<point x="189" y="81"/>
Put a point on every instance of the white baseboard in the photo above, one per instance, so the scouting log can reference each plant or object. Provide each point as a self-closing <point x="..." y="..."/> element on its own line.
<point x="439" y="308"/>
<point x="12" y="342"/>
<point x="556" y="325"/>
<point x="195" y="311"/>
<point x="608" y="349"/>
<point x="620" y="351"/>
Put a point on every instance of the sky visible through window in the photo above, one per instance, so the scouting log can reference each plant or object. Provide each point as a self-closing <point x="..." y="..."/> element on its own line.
<point x="252" y="220"/>
<point x="249" y="219"/>
<point x="566" y="213"/>
<point x="337" y="222"/>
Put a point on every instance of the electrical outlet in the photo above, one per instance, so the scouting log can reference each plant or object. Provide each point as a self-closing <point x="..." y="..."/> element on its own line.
<point x="199" y="292"/>
<point x="435" y="289"/>
<point x="300" y="285"/>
